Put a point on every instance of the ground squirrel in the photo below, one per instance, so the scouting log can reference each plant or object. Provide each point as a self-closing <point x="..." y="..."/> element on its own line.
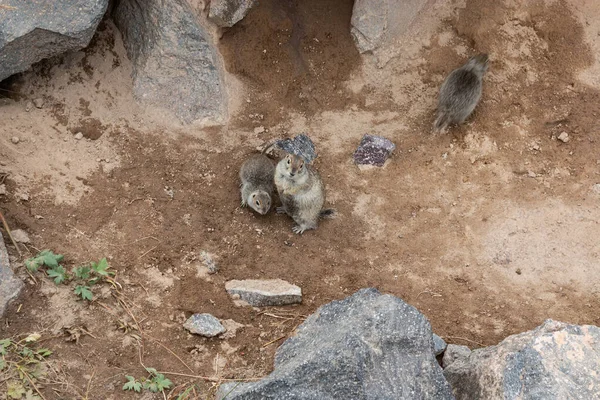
<point x="461" y="92"/>
<point x="257" y="184"/>
<point x="301" y="192"/>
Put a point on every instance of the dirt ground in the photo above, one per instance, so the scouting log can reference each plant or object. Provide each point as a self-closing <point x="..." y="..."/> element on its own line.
<point x="488" y="230"/>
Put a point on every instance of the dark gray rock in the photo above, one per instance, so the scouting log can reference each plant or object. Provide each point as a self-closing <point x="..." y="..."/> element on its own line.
<point x="175" y="64"/>
<point x="226" y="13"/>
<point x="373" y="150"/>
<point x="204" y="325"/>
<point x="31" y="31"/>
<point x="439" y="345"/>
<point x="553" y="361"/>
<point x="454" y="352"/>
<point x="10" y="285"/>
<point x="367" y="346"/>
<point x="265" y="292"/>
<point x="376" y="23"/>
<point x="300" y="145"/>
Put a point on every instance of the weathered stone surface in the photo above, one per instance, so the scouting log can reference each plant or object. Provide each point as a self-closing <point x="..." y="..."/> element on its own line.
<point x="226" y="13"/>
<point x="367" y="346"/>
<point x="204" y="325"/>
<point x="439" y="345"/>
<point x="375" y="23"/>
<point x="10" y="285"/>
<point x="175" y="64"/>
<point x="301" y="145"/>
<point x="20" y="236"/>
<point x="267" y="292"/>
<point x="373" y="150"/>
<point x="553" y="361"/>
<point x="31" y="31"/>
<point x="454" y="352"/>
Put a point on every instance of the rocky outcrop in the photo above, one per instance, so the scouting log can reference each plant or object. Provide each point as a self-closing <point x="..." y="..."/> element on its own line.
<point x="226" y="13"/>
<point x="10" y="285"/>
<point x="31" y="31"/>
<point x="175" y="65"/>
<point x="553" y="361"/>
<point x="367" y="346"/>
<point x="375" y="23"/>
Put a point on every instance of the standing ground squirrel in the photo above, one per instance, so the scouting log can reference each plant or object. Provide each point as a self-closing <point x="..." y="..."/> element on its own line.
<point x="301" y="192"/>
<point x="257" y="184"/>
<point x="461" y="92"/>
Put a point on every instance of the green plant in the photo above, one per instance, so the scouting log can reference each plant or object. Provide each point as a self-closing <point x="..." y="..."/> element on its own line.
<point x="22" y="364"/>
<point x="155" y="382"/>
<point x="46" y="257"/>
<point x="85" y="276"/>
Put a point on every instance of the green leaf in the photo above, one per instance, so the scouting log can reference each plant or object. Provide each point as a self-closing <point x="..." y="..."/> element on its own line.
<point x="101" y="268"/>
<point x="43" y="352"/>
<point x="152" y="371"/>
<point x="50" y="259"/>
<point x="58" y="273"/>
<point x="151" y="386"/>
<point x="82" y="272"/>
<point x="84" y="292"/>
<point x="162" y="383"/>
<point x="132" y="384"/>
<point x="2" y="364"/>
<point x="184" y="395"/>
<point x="33" y="264"/>
<point x="4" y="344"/>
<point x="15" y="390"/>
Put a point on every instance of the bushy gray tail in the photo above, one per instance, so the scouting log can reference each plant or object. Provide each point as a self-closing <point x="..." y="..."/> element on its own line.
<point x="441" y="122"/>
<point x="328" y="213"/>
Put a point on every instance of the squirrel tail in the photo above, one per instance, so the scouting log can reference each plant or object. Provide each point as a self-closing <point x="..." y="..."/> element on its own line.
<point x="441" y="122"/>
<point x="328" y="213"/>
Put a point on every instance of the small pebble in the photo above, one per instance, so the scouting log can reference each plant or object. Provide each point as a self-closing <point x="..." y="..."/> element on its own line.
<point x="38" y="103"/>
<point x="79" y="136"/>
<point x="29" y="106"/>
<point x="564" y="137"/>
<point x="259" y="129"/>
<point x="15" y="140"/>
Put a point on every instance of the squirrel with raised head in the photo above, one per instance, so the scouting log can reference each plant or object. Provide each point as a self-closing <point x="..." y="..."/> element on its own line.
<point x="460" y="92"/>
<point x="257" y="184"/>
<point x="301" y="192"/>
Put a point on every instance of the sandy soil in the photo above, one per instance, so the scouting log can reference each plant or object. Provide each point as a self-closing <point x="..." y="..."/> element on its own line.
<point x="488" y="230"/>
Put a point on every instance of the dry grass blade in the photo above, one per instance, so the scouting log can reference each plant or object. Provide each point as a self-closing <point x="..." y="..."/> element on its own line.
<point x="12" y="239"/>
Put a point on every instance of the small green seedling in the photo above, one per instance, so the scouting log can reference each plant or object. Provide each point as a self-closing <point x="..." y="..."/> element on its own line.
<point x="155" y="382"/>
<point x="84" y="292"/>
<point x="46" y="257"/>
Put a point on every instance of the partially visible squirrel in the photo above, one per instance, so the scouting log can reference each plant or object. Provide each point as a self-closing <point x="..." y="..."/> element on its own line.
<point x="301" y="192"/>
<point x="257" y="185"/>
<point x="461" y="92"/>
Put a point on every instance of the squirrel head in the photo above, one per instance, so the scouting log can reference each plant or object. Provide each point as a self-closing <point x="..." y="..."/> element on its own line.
<point x="479" y="63"/>
<point x="260" y="201"/>
<point x="294" y="165"/>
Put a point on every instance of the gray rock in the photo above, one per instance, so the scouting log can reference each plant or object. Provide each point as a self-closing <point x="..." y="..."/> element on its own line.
<point x="20" y="236"/>
<point x="226" y="13"/>
<point x="15" y="140"/>
<point x="2" y="189"/>
<point x="454" y="352"/>
<point x="300" y="145"/>
<point x="78" y="136"/>
<point x="265" y="292"/>
<point x="373" y="150"/>
<point x="10" y="285"/>
<point x="31" y="31"/>
<point x="439" y="345"/>
<point x="367" y="346"/>
<point x="38" y="103"/>
<point x="175" y="64"/>
<point x="209" y="262"/>
<point x="376" y="23"/>
<point x="553" y="361"/>
<point x="564" y="137"/>
<point x="204" y="325"/>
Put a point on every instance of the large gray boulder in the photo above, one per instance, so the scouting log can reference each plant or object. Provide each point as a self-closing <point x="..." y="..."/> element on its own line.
<point x="10" y="285"/>
<point x="31" y="30"/>
<point x="175" y="64"/>
<point x="553" y="361"/>
<point x="376" y="23"/>
<point x="226" y="13"/>
<point x="367" y="346"/>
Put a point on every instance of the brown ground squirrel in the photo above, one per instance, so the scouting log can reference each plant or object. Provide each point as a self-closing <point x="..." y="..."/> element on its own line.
<point x="257" y="184"/>
<point x="461" y="92"/>
<point x="301" y="192"/>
